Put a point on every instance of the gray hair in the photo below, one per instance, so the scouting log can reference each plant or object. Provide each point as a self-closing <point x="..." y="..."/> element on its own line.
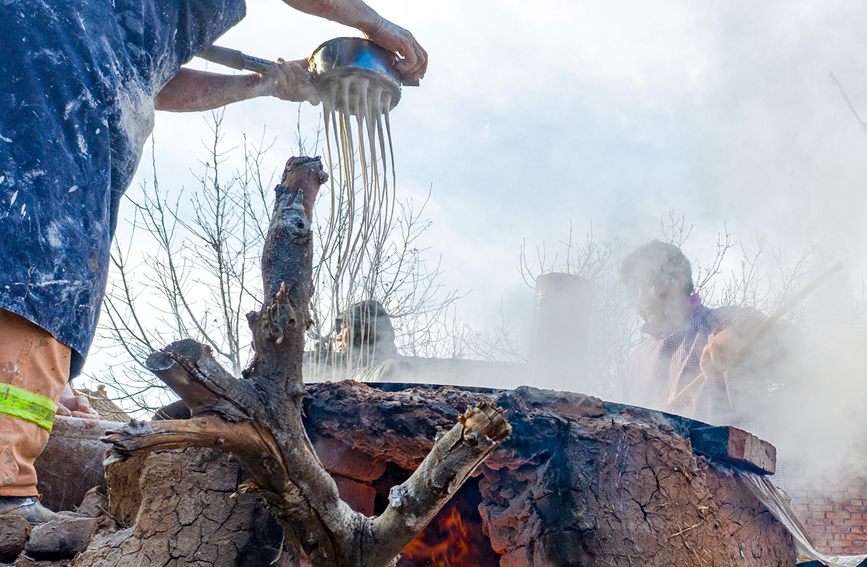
<point x="654" y="262"/>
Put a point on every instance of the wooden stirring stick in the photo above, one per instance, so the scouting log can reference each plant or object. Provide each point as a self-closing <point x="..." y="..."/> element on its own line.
<point x="762" y="327"/>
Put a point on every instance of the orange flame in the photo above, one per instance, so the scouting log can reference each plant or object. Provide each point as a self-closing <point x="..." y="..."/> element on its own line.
<point x="452" y="551"/>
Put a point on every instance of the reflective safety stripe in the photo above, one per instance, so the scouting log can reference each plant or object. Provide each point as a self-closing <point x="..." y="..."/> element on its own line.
<point x="28" y="406"/>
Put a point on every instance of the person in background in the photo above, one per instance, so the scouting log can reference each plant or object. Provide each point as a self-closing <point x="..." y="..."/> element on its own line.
<point x="79" y="83"/>
<point x="683" y="338"/>
<point x="365" y="335"/>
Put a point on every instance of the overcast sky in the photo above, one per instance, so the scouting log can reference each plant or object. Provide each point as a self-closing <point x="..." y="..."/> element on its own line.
<point x="533" y="114"/>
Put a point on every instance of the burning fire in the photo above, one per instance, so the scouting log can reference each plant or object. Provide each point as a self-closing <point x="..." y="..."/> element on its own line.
<point x="452" y="549"/>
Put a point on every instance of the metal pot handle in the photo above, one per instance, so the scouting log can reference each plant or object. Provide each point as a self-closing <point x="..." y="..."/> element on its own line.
<point x="235" y="59"/>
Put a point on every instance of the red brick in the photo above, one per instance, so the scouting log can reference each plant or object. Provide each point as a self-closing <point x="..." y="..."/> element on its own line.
<point x="736" y="446"/>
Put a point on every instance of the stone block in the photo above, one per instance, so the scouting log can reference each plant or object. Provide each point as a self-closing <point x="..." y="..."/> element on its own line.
<point x="71" y="463"/>
<point x="60" y="539"/>
<point x="14" y="533"/>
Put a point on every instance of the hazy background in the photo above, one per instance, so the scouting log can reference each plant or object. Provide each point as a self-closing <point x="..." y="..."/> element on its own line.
<point x="535" y="114"/>
<point x="610" y="114"/>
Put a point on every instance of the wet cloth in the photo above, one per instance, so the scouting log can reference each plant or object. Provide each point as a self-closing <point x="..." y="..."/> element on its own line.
<point x="30" y="359"/>
<point x="664" y="363"/>
<point x="77" y="82"/>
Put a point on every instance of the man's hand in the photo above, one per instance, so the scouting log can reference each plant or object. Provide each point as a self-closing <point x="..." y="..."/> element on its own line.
<point x="413" y="61"/>
<point x="723" y="351"/>
<point x="290" y="80"/>
<point x="357" y="14"/>
<point x="75" y="406"/>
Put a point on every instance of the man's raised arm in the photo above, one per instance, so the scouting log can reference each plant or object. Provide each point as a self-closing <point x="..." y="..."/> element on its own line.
<point x="192" y="91"/>
<point x="357" y="14"/>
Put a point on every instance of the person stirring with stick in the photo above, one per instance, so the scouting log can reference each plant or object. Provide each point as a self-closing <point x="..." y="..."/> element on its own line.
<point x="685" y="339"/>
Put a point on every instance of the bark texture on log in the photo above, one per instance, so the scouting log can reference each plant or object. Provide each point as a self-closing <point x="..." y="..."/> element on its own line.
<point x="259" y="417"/>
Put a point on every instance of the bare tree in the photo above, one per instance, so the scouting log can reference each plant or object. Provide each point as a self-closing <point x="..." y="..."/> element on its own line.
<point x="193" y="272"/>
<point x="396" y="273"/>
<point x="189" y="269"/>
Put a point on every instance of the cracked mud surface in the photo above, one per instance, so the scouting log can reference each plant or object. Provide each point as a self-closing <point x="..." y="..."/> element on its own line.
<point x="579" y="483"/>
<point x="188" y="516"/>
<point x="619" y="490"/>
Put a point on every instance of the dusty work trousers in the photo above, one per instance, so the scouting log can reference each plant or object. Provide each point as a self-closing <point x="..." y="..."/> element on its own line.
<point x="31" y="359"/>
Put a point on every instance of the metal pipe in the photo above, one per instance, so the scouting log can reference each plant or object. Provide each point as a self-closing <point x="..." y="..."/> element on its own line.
<point x="235" y="59"/>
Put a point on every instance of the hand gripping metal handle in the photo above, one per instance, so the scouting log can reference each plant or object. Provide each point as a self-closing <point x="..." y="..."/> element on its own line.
<point x="235" y="59"/>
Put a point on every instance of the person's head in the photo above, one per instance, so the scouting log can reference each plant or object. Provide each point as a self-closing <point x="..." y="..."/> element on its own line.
<point x="658" y="279"/>
<point x="365" y="324"/>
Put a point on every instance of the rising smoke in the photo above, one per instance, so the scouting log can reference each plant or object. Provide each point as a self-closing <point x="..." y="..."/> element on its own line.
<point x="725" y="112"/>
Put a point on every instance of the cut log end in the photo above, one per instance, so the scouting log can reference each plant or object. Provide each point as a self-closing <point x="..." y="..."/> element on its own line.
<point x="485" y="420"/>
<point x="310" y="165"/>
<point x="159" y="362"/>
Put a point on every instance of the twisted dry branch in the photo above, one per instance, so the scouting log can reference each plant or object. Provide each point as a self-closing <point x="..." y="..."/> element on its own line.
<point x="258" y="417"/>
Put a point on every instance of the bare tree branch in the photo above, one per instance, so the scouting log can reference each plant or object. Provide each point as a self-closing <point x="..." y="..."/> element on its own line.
<point x="258" y="417"/>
